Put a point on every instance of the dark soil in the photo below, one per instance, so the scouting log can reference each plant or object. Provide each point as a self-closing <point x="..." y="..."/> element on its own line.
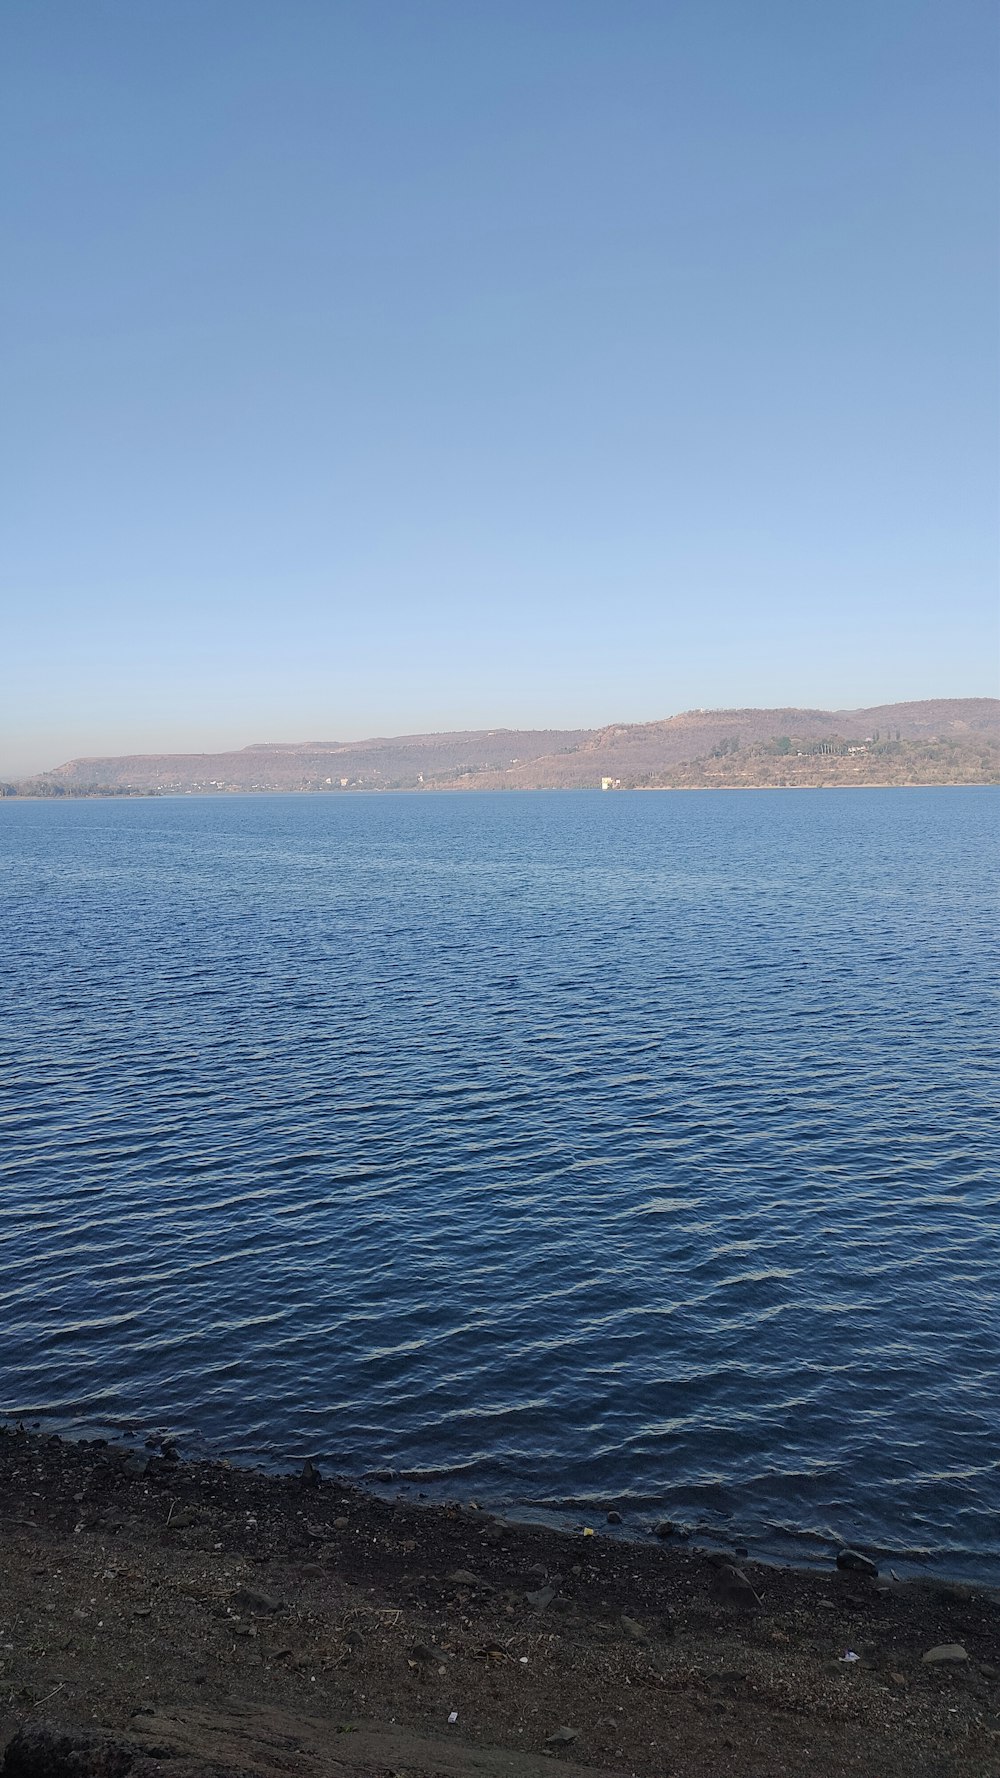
<point x="217" y="1620"/>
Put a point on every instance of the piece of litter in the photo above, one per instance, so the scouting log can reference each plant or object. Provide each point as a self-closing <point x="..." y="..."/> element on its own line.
<point x="588" y="1531"/>
<point x="523" y="1660"/>
<point x="453" y="1716"/>
<point x="850" y="1656"/>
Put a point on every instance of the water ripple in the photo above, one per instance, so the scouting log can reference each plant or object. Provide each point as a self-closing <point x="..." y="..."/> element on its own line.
<point x="558" y="1149"/>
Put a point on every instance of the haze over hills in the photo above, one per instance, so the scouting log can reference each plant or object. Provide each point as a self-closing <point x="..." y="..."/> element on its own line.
<point x="935" y="741"/>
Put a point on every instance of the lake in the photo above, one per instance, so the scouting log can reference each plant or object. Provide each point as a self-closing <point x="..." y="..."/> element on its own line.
<point x="561" y="1151"/>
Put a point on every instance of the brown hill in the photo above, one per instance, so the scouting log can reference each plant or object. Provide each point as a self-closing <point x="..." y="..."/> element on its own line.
<point x="940" y="740"/>
<point x="647" y="753"/>
<point x="401" y="762"/>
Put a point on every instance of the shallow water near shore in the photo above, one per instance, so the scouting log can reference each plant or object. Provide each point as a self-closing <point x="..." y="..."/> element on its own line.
<point x="561" y="1150"/>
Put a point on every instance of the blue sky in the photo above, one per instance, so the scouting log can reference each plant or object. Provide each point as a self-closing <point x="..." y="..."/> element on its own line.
<point x="390" y="365"/>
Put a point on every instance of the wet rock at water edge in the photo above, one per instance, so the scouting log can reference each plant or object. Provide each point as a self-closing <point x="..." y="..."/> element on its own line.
<point x="665" y="1528"/>
<point x="309" y="1476"/>
<point x="853" y="1562"/>
<point x="614" y="1518"/>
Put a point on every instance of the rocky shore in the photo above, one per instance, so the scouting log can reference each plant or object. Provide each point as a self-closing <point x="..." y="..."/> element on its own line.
<point x="197" y="1621"/>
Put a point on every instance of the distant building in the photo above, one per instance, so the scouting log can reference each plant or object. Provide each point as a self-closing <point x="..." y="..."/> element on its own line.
<point x="611" y="783"/>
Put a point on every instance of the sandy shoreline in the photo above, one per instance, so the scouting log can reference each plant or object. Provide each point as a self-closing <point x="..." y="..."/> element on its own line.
<point x="219" y="1615"/>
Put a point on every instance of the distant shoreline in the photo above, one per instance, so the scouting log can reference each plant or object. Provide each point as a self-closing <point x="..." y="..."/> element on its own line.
<point x="145" y="796"/>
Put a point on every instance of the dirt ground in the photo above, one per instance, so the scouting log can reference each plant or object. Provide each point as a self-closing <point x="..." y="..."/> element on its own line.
<point x="211" y="1620"/>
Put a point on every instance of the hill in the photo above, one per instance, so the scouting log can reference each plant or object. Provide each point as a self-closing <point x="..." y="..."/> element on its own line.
<point x="950" y="740"/>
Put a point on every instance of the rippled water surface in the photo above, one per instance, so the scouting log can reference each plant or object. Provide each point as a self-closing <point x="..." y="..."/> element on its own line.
<point x="553" y="1150"/>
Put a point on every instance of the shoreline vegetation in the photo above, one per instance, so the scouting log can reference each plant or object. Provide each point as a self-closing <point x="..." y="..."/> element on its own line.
<point x="934" y="742"/>
<point x="33" y="790"/>
<point x="197" y="1620"/>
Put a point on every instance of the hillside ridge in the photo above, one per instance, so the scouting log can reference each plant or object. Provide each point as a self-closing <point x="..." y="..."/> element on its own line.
<point x="944" y="740"/>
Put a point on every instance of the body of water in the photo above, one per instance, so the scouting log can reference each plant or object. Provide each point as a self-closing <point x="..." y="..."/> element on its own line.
<point x="562" y="1151"/>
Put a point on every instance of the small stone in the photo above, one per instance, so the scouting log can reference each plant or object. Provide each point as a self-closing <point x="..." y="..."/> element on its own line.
<point x="634" y="1629"/>
<point x="665" y="1528"/>
<point x="341" y="1523"/>
<point x="855" y="1563"/>
<point x="462" y="1577"/>
<point x="944" y="1654"/>
<point x="260" y="1603"/>
<point x="543" y="1597"/>
<point x="309" y="1476"/>
<point x="170" y="1454"/>
<point x="614" y="1518"/>
<point x="561" y="1737"/>
<point x="184" y="1517"/>
<point x="732" y="1587"/>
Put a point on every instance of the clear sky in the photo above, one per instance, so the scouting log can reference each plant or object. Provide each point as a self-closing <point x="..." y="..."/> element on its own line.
<point x="374" y="366"/>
